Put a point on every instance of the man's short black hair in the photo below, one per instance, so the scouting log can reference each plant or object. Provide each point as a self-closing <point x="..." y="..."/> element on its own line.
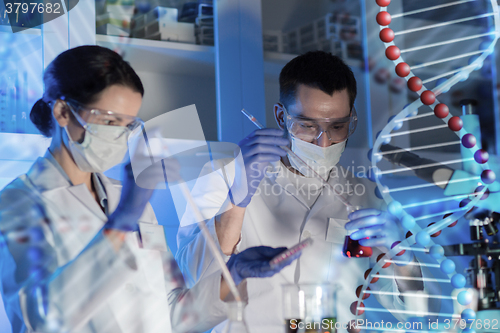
<point x="317" y="69"/>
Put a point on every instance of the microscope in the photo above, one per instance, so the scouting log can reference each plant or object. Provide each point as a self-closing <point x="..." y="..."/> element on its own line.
<point x="486" y="257"/>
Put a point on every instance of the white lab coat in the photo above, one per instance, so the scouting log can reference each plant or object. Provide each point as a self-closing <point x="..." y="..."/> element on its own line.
<point x="90" y="287"/>
<point x="278" y="216"/>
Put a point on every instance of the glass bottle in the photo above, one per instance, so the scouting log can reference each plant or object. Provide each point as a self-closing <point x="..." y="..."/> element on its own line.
<point x="352" y="248"/>
<point x="310" y="308"/>
<point x="236" y="322"/>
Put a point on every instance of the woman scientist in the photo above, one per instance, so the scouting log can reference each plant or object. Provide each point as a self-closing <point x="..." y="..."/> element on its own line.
<point x="70" y="259"/>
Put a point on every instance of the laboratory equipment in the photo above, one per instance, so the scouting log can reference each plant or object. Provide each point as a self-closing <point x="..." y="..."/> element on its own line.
<point x="480" y="270"/>
<point x="333" y="32"/>
<point x="235" y="314"/>
<point x="161" y="24"/>
<point x="352" y="249"/>
<point x="310" y="308"/>
<point x="291" y="252"/>
<point x="192" y="10"/>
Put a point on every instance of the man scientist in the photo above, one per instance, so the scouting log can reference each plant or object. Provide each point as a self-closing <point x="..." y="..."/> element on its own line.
<point x="286" y="204"/>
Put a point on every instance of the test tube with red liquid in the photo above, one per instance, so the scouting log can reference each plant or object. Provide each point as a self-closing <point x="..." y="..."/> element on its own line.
<point x="352" y="248"/>
<point x="290" y="253"/>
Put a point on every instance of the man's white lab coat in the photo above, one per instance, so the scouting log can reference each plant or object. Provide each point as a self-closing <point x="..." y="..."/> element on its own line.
<point x="278" y="216"/>
<point x="88" y="287"/>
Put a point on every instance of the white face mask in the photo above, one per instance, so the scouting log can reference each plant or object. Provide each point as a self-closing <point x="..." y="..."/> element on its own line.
<point x="322" y="160"/>
<point x="95" y="154"/>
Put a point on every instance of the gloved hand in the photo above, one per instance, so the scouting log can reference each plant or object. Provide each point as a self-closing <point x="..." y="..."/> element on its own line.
<point x="136" y="192"/>
<point x="380" y="227"/>
<point x="133" y="200"/>
<point x="258" y="149"/>
<point x="254" y="262"/>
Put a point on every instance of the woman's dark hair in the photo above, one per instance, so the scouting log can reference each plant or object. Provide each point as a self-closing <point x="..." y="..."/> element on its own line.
<point x="81" y="74"/>
<point x="317" y="69"/>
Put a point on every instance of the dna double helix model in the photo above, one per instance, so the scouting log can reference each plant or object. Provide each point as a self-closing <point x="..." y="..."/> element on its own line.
<point x="428" y="59"/>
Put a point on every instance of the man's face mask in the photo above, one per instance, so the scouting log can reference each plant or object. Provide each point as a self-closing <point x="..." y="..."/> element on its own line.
<point x="303" y="131"/>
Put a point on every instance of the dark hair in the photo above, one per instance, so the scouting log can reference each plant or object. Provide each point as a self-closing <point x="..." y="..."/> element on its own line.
<point x="319" y="70"/>
<point x="81" y="74"/>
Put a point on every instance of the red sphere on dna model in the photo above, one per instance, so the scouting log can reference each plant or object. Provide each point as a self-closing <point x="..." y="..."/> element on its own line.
<point x="396" y="244"/>
<point x="428" y="97"/>
<point x="358" y="292"/>
<point x="403" y="69"/>
<point x="380" y="256"/>
<point x="392" y="52"/>
<point x="454" y="223"/>
<point x="384" y="18"/>
<point x="383" y="3"/>
<point x="367" y="274"/>
<point x="441" y="111"/>
<point x="455" y="123"/>
<point x="415" y="84"/>
<point x="359" y="308"/>
<point x="386" y="35"/>
<point x="436" y="233"/>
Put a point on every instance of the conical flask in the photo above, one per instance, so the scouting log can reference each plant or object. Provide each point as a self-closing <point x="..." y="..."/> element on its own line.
<point x="236" y="322"/>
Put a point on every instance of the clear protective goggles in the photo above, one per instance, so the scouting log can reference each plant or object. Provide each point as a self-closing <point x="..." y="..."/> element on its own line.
<point x="90" y="117"/>
<point x="311" y="129"/>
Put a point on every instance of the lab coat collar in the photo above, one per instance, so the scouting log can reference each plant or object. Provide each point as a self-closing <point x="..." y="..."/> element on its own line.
<point x="277" y="174"/>
<point x="47" y="175"/>
<point x="278" y="170"/>
<point x="113" y="191"/>
<point x="328" y="199"/>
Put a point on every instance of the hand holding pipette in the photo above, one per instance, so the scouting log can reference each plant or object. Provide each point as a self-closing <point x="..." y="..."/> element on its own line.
<point x="285" y="147"/>
<point x="258" y="149"/>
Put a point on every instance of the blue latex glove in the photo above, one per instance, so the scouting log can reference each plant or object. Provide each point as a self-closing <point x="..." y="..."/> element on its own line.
<point x="134" y="198"/>
<point x="380" y="227"/>
<point x="254" y="262"/>
<point x="258" y="149"/>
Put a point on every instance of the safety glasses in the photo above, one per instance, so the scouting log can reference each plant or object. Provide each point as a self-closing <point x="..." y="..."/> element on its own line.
<point x="311" y="129"/>
<point x="123" y="124"/>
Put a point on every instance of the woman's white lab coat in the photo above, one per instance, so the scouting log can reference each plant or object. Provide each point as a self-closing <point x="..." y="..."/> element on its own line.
<point x="87" y="286"/>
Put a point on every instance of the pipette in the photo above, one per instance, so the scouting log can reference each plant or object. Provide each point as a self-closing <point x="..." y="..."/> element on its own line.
<point x="213" y="247"/>
<point x="340" y="196"/>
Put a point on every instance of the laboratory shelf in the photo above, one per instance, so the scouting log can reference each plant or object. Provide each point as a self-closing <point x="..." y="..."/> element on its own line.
<point x="163" y="56"/>
<point x="179" y="58"/>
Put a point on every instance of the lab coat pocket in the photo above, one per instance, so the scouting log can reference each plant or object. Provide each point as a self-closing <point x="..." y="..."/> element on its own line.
<point x="336" y="231"/>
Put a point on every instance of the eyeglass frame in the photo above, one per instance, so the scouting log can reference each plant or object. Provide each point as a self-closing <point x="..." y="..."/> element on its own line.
<point x="353" y="116"/>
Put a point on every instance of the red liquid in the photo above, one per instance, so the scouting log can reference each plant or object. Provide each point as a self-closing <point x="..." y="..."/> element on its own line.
<point x="352" y="249"/>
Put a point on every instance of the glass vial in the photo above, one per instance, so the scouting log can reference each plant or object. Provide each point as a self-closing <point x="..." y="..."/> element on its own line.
<point x="352" y="248"/>
<point x="236" y="322"/>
